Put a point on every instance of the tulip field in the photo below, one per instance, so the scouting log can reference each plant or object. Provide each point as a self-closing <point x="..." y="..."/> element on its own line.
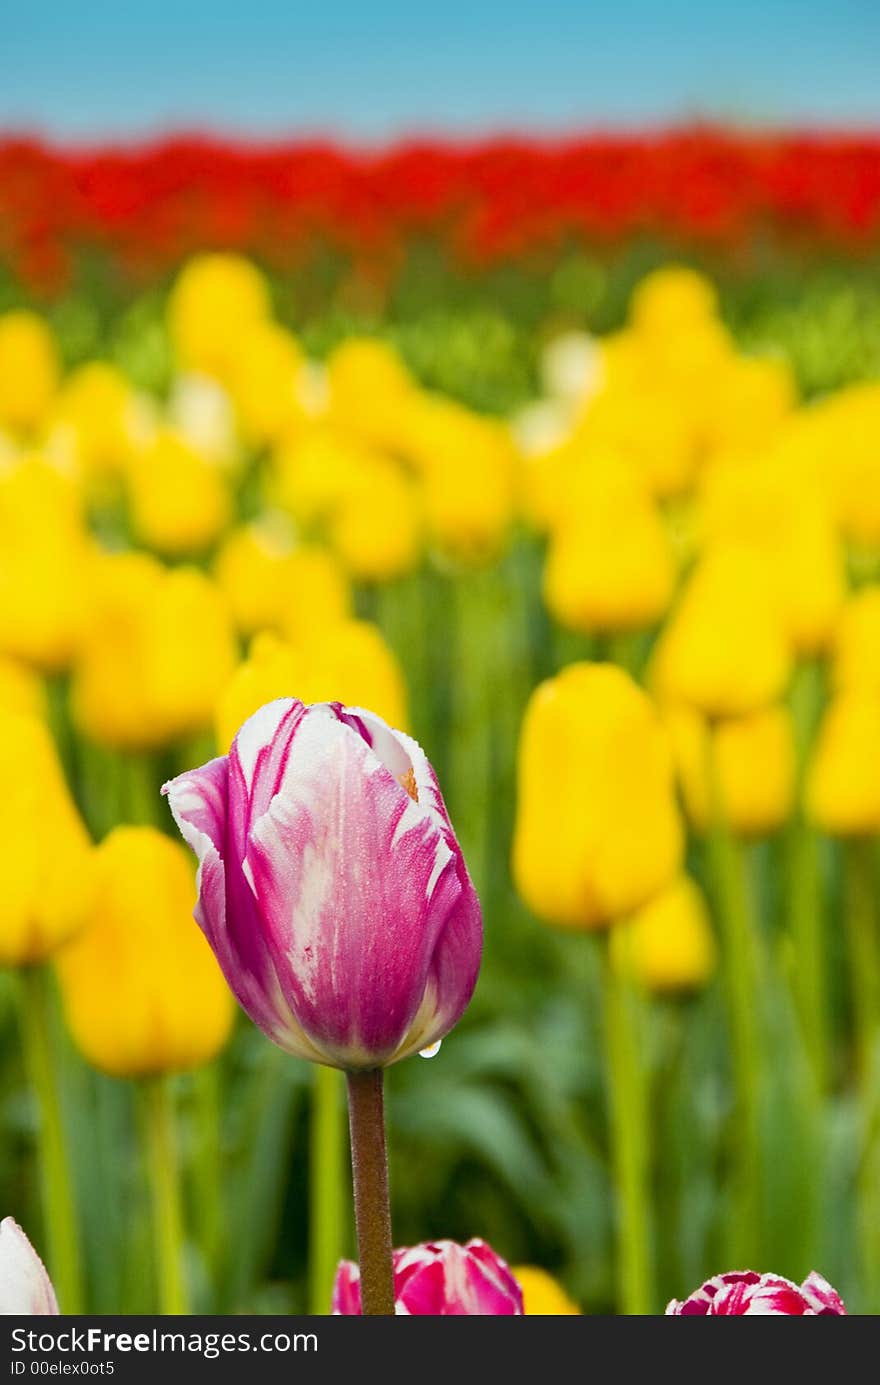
<point x="467" y="560"/>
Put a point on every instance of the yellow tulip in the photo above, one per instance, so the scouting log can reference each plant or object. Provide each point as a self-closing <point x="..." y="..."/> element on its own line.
<point x="724" y="650"/>
<point x="272" y="585"/>
<point x="28" y="371"/>
<point x="44" y="560"/>
<point x="21" y="690"/>
<point x="649" y="427"/>
<point x="469" y="472"/>
<point x="157" y="647"/>
<point x="856" y="664"/>
<point x="597" y="829"/>
<point x="377" y="527"/>
<point x="180" y="501"/>
<point x="753" y="764"/>
<point x="369" y="389"/>
<point x="215" y="300"/>
<point x="97" y="422"/>
<point x="845" y="428"/>
<point x="264" y="382"/>
<point x="766" y="503"/>
<point x="672" y="299"/>
<point x="313" y="471"/>
<point x="843" y="778"/>
<point x="752" y="397"/>
<point x="141" y="989"/>
<point x="346" y="662"/>
<point x="542" y="1295"/>
<point x="668" y="945"/>
<point x="46" y="872"/>
<point x="610" y="564"/>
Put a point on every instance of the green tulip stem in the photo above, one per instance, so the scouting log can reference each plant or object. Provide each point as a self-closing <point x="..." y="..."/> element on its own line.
<point x="59" y="1212"/>
<point x="804" y="885"/>
<point x="628" y="1111"/>
<point x="164" y="1180"/>
<point x="740" y="947"/>
<point x="372" y="1207"/>
<point x="326" y="1183"/>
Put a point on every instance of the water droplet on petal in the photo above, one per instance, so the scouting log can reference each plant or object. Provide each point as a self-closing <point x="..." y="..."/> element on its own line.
<point x="432" y="1051"/>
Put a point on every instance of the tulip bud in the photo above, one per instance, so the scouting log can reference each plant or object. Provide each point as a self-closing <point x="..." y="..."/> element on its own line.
<point x="215" y="299"/>
<point x="377" y="527"/>
<point x="668" y="945"/>
<point x="672" y="299"/>
<point x="856" y="665"/>
<point x="468" y="467"/>
<point x="313" y="471"/>
<point x="610" y="565"/>
<point x="742" y="1291"/>
<point x="845" y="428"/>
<point x="767" y="505"/>
<point x="350" y="658"/>
<point x="44" y="561"/>
<point x="843" y="776"/>
<point x="369" y="390"/>
<point x="264" y="382"/>
<point x="597" y="829"/>
<point x="21" y="690"/>
<point x="141" y="992"/>
<point x="439" y="1279"/>
<point x="180" y="501"/>
<point x="271" y="585"/>
<point x="542" y="1295"/>
<point x="332" y="888"/>
<point x="753" y="761"/>
<point x="25" y="1287"/>
<point x="97" y="421"/>
<point x="46" y="885"/>
<point x="157" y="646"/>
<point x="724" y="650"/>
<point x="28" y="371"/>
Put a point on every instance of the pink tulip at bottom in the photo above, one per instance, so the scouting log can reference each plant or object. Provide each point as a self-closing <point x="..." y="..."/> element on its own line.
<point x="743" y="1291"/>
<point x="439" y="1279"/>
<point x="25" y="1287"/>
<point x="331" y="885"/>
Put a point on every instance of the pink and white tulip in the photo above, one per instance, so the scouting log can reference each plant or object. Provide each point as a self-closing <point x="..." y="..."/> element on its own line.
<point x="743" y="1291"/>
<point x="439" y="1279"/>
<point x="331" y="885"/>
<point x="25" y="1287"/>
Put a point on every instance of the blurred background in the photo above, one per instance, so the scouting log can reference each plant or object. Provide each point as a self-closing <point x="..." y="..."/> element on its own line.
<point x="412" y="359"/>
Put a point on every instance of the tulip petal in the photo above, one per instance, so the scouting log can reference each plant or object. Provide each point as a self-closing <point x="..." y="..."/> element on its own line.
<point x="25" y="1287"/>
<point x="355" y="881"/>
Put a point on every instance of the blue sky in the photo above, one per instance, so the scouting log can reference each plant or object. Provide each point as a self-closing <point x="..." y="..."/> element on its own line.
<point x="369" y="72"/>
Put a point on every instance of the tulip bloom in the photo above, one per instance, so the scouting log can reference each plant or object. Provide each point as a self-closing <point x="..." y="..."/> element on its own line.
<point x="348" y="657"/>
<point x="610" y="564"/>
<point x="742" y="1291"/>
<point x="725" y="650"/>
<point x="215" y="300"/>
<point x="45" y="891"/>
<point x="598" y="830"/>
<point x="754" y="766"/>
<point x="157" y="646"/>
<point x="142" y="994"/>
<point x="543" y="1297"/>
<point x="843" y="775"/>
<point x="271" y="585"/>
<point x="25" y="1287"/>
<point x="439" y="1279"/>
<point x="28" y="370"/>
<point x="179" y="499"/>
<point x="331" y="884"/>
<point x="668" y="946"/>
